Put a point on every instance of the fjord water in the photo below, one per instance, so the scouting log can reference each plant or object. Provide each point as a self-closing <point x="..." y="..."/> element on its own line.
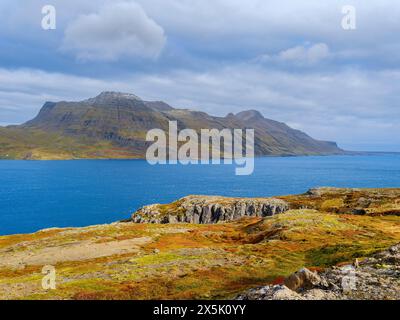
<point x="43" y="194"/>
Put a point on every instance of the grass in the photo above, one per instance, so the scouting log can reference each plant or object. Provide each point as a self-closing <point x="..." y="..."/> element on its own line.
<point x="36" y="144"/>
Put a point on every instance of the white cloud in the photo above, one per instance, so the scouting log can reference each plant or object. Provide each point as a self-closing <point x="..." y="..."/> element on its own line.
<point x="121" y="29"/>
<point x="219" y="29"/>
<point x="304" y="55"/>
<point x="300" y="55"/>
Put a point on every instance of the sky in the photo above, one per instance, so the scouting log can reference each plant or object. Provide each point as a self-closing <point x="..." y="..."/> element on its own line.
<point x="292" y="60"/>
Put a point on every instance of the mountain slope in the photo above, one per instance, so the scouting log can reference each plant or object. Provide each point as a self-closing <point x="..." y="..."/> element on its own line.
<point x="114" y="125"/>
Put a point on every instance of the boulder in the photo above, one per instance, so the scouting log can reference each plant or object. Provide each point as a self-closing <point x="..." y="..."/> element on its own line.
<point x="304" y="279"/>
<point x="277" y="292"/>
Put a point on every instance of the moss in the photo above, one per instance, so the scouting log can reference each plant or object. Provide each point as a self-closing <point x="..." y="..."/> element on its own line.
<point x="334" y="254"/>
<point x="172" y="208"/>
<point x="332" y="204"/>
<point x="159" y="258"/>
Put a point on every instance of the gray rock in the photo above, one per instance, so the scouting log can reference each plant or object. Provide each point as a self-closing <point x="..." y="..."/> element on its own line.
<point x="277" y="292"/>
<point x="209" y="210"/>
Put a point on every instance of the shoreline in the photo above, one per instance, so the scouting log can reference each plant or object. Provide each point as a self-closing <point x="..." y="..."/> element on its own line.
<point x="347" y="153"/>
<point x="155" y="208"/>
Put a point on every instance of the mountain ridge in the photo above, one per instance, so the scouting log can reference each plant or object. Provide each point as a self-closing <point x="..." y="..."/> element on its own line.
<point x="114" y="125"/>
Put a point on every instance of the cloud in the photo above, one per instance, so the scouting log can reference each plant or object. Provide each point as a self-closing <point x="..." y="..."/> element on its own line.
<point x="299" y="55"/>
<point x="304" y="55"/>
<point x="201" y="33"/>
<point x="243" y="29"/>
<point x="121" y="29"/>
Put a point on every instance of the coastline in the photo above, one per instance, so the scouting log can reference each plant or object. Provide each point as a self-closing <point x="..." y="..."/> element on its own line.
<point x="321" y="229"/>
<point x="345" y="153"/>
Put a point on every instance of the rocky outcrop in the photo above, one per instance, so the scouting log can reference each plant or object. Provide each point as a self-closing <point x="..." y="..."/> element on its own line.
<point x="372" y="202"/>
<point x="213" y="209"/>
<point x="376" y="278"/>
<point x="208" y="210"/>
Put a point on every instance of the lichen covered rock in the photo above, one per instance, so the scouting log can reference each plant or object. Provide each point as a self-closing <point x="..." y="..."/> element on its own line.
<point x="209" y="210"/>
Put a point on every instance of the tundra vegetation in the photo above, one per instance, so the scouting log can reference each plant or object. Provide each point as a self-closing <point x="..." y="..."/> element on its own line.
<point x="126" y="260"/>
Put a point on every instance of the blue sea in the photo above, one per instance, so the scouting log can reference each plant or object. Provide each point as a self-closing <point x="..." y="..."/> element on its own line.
<point x="43" y="194"/>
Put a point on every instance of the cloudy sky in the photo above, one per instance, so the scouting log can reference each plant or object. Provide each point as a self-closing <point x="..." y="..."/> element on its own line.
<point x="290" y="59"/>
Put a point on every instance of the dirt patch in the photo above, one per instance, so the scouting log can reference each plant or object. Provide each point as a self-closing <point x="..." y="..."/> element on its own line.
<point x="84" y="250"/>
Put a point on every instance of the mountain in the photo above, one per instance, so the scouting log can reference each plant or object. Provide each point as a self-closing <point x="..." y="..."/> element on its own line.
<point x="114" y="125"/>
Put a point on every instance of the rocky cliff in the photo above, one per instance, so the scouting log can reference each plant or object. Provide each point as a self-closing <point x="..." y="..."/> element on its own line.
<point x="209" y="210"/>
